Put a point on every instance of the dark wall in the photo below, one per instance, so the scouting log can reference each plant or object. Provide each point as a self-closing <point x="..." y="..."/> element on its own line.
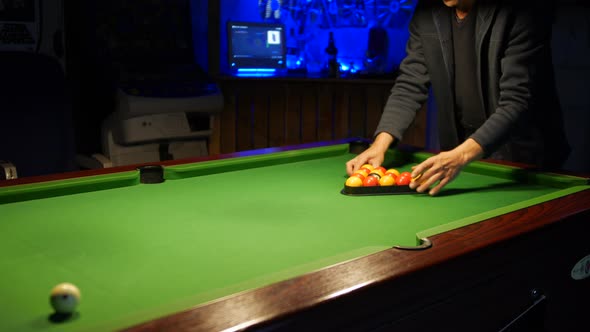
<point x="571" y="58"/>
<point x="109" y="39"/>
<point x="89" y="74"/>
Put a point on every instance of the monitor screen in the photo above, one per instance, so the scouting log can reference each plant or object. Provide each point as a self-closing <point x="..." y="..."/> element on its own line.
<point x="17" y="10"/>
<point x="19" y="25"/>
<point x="256" y="45"/>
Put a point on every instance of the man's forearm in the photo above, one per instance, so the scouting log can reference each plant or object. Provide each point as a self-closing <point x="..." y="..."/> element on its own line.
<point x="382" y="141"/>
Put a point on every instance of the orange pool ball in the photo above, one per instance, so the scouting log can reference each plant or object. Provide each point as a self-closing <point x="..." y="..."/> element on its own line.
<point x="393" y="171"/>
<point x="368" y="170"/>
<point x="387" y="180"/>
<point x="354" y="181"/>
<point x="361" y="176"/>
<point x="368" y="166"/>
<point x="363" y="171"/>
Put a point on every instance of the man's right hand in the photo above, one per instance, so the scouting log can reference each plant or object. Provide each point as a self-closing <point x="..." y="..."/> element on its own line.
<point x="374" y="155"/>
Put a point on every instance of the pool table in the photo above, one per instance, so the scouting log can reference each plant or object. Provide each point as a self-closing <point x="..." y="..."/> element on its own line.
<point x="266" y="240"/>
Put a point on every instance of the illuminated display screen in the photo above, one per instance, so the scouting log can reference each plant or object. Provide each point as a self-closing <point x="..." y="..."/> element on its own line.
<point x="256" y="45"/>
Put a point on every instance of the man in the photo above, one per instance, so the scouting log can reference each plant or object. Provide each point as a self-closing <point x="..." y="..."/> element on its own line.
<point x="490" y="69"/>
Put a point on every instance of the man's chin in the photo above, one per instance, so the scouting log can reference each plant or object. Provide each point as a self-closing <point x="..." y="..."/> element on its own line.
<point x="450" y="3"/>
<point x="463" y="5"/>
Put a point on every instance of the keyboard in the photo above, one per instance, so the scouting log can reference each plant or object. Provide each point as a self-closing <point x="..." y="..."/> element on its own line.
<point x="15" y="33"/>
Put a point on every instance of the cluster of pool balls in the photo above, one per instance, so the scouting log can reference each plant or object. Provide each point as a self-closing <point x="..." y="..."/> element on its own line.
<point x="369" y="176"/>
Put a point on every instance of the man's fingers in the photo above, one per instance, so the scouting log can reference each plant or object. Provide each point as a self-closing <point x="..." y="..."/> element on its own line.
<point x="428" y="182"/>
<point x="354" y="165"/>
<point x="439" y="186"/>
<point x="429" y="178"/>
<point x="422" y="167"/>
<point x="350" y="167"/>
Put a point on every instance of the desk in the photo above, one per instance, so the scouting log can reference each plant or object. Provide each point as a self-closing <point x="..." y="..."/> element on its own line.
<point x="268" y="241"/>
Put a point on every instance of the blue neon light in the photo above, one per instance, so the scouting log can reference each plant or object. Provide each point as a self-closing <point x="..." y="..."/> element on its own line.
<point x="256" y="70"/>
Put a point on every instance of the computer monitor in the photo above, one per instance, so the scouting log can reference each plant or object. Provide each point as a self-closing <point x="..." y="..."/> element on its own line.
<point x="256" y="46"/>
<point x="19" y="25"/>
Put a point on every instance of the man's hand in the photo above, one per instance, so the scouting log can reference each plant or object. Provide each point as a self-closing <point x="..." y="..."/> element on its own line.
<point x="374" y="155"/>
<point x="444" y="167"/>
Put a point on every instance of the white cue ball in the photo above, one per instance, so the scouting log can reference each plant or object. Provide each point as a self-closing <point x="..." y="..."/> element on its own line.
<point x="64" y="298"/>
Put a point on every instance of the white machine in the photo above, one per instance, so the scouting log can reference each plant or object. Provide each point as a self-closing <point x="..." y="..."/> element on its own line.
<point x="149" y="129"/>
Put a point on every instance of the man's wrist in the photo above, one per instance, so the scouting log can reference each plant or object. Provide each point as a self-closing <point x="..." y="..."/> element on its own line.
<point x="383" y="140"/>
<point x="470" y="151"/>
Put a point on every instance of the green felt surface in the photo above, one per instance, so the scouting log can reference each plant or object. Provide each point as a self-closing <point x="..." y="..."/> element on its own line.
<point x="140" y="251"/>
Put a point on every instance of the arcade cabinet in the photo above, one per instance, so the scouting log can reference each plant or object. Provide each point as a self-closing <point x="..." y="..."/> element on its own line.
<point x="36" y="127"/>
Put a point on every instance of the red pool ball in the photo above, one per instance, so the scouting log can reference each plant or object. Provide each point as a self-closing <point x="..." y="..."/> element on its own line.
<point x="404" y="179"/>
<point x="371" y="181"/>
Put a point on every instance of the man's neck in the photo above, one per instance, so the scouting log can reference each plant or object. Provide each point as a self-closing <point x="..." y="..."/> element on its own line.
<point x="463" y="7"/>
<point x="461" y="14"/>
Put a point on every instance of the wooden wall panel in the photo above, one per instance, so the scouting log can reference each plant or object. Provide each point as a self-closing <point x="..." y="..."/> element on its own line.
<point x="276" y="112"/>
<point x="309" y="123"/>
<point x="375" y="104"/>
<point x="276" y="116"/>
<point x="341" y="114"/>
<point x="260" y="120"/>
<point x="293" y="114"/>
<point x="244" y="120"/>
<point x="357" y="113"/>
<point x="325" y="113"/>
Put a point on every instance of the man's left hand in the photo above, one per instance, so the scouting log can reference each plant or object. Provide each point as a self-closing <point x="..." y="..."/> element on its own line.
<point x="443" y="168"/>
